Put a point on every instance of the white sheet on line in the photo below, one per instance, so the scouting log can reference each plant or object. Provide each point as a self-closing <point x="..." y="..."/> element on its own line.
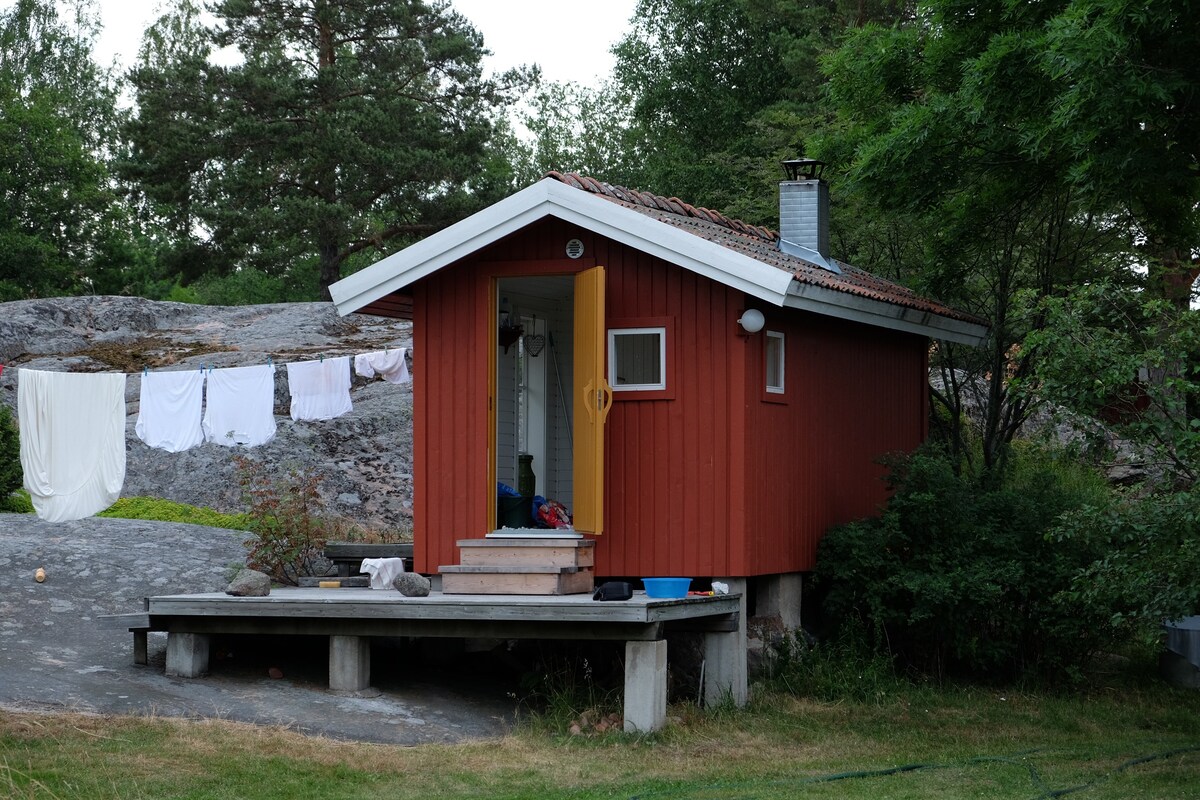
<point x="241" y="406"/>
<point x="72" y="429"/>
<point x="170" y="408"/>
<point x="320" y="389"/>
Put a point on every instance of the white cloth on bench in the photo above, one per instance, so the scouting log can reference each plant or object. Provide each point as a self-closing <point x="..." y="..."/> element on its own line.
<point x="382" y="571"/>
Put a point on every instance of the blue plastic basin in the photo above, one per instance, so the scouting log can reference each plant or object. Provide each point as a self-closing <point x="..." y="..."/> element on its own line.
<point x="666" y="588"/>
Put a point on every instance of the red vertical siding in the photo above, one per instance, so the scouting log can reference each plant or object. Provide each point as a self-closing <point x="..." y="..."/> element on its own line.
<point x="854" y="394"/>
<point x="713" y="481"/>
<point x="449" y="415"/>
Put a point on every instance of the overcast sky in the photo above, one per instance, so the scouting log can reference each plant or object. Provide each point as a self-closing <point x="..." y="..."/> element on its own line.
<point x="570" y="39"/>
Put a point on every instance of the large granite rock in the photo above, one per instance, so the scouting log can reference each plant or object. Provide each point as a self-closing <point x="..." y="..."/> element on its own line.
<point x="365" y="456"/>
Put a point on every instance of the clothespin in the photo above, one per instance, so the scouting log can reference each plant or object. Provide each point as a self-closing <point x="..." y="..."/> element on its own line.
<point x="145" y="371"/>
<point x="322" y="359"/>
<point x="270" y="363"/>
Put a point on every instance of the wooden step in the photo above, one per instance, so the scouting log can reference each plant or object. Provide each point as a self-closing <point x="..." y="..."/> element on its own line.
<point x="457" y="582"/>
<point x="519" y="553"/>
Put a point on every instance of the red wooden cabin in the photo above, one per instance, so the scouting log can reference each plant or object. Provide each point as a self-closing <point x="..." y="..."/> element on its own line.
<point x="687" y="444"/>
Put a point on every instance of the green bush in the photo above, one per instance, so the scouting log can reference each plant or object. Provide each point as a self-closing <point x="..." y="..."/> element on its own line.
<point x="17" y="503"/>
<point x="1149" y="562"/>
<point x="10" y="456"/>
<point x="958" y="576"/>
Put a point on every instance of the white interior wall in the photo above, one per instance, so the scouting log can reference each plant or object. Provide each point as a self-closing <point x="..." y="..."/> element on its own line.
<point x="551" y="300"/>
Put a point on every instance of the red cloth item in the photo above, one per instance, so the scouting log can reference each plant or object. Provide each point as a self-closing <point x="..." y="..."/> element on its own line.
<point x="553" y="514"/>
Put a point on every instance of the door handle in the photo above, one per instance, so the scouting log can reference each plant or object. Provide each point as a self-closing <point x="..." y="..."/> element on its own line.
<point x="606" y="401"/>
<point x="587" y="401"/>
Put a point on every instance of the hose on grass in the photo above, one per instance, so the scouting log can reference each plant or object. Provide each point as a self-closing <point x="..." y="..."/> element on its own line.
<point x="1045" y="792"/>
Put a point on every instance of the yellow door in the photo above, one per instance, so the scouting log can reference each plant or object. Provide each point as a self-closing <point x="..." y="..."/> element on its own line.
<point x="593" y="399"/>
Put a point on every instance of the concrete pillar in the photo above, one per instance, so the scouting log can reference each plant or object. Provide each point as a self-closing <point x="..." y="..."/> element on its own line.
<point x="725" y="657"/>
<point x="141" y="648"/>
<point x="349" y="663"/>
<point x="645" y="686"/>
<point x="187" y="654"/>
<point x="779" y="595"/>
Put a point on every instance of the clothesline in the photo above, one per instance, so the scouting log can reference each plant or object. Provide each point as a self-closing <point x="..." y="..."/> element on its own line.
<point x="401" y="351"/>
<point x="72" y="425"/>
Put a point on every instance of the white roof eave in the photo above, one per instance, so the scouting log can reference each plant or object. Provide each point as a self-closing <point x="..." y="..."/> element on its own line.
<point x="855" y="308"/>
<point x="550" y="197"/>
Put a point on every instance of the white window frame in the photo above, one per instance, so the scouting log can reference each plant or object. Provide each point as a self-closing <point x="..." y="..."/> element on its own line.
<point x="613" y="333"/>
<point x="782" y="385"/>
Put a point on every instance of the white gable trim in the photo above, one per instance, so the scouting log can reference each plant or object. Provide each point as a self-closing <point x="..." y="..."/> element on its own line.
<point x="550" y="197"/>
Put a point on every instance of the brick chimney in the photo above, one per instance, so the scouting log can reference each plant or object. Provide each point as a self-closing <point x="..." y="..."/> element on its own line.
<point x="804" y="212"/>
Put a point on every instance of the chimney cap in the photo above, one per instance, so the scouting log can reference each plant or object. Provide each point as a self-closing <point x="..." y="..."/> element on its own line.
<point x="803" y="169"/>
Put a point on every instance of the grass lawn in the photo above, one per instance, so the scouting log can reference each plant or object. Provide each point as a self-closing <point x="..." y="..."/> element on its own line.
<point x="961" y="744"/>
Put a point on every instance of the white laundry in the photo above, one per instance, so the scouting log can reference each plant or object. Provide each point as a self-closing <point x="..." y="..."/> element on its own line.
<point x="72" y="428"/>
<point x="241" y="406"/>
<point x="389" y="364"/>
<point x="382" y="571"/>
<point x="170" y="409"/>
<point x="320" y="389"/>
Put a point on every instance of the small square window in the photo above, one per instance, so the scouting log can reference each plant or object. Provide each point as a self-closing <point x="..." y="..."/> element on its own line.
<point x="775" y="362"/>
<point x="637" y="359"/>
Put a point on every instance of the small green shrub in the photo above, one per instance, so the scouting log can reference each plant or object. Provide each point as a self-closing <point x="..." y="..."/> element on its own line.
<point x="154" y="508"/>
<point x="847" y="668"/>
<point x="287" y="520"/>
<point x="958" y="576"/>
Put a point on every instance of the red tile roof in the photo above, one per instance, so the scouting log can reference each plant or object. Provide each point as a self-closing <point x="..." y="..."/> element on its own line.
<point x="759" y="243"/>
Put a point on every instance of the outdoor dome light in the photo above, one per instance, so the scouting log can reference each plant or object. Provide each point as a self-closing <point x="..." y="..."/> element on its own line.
<point x="752" y="320"/>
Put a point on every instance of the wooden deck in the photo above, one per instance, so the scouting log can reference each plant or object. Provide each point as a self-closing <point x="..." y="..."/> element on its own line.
<point x="350" y="616"/>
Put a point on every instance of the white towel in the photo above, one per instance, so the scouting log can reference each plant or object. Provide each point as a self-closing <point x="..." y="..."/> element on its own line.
<point x="389" y="364"/>
<point x="320" y="389"/>
<point x="241" y="406"/>
<point x="170" y="410"/>
<point x="382" y="571"/>
<point x="72" y="429"/>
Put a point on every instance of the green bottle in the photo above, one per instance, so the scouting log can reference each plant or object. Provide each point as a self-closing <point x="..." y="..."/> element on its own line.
<point x="526" y="480"/>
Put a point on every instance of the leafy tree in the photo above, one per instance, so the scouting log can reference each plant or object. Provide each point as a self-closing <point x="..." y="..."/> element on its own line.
<point x="1127" y="113"/>
<point x="934" y="120"/>
<point x="170" y="147"/>
<point x="575" y="128"/>
<point x="723" y="90"/>
<point x="345" y="127"/>
<point x="61" y="224"/>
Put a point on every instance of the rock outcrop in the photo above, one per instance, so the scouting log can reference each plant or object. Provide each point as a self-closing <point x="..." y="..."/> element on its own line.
<point x="364" y="457"/>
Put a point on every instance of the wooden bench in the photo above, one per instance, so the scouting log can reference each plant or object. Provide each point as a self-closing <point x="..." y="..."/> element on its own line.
<point x="348" y="556"/>
<point x="137" y="623"/>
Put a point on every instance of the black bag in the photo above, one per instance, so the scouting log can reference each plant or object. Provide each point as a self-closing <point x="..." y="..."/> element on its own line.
<point x="614" y="590"/>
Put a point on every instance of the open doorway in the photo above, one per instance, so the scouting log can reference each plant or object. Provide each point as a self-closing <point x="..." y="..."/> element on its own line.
<point x="534" y="379"/>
